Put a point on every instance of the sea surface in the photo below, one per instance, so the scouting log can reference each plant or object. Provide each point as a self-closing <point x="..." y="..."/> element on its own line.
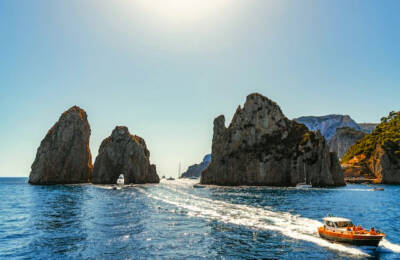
<point x="176" y="221"/>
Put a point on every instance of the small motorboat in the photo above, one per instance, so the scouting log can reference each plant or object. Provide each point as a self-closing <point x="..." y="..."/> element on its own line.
<point x="303" y="186"/>
<point x="170" y="179"/>
<point x="198" y="186"/>
<point x="344" y="231"/>
<point x="120" y="179"/>
<point x="375" y="189"/>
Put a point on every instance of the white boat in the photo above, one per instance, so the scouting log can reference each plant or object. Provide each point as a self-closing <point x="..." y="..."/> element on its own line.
<point x="120" y="179"/>
<point x="304" y="185"/>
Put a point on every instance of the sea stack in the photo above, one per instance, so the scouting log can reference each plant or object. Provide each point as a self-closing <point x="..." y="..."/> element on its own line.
<point x="123" y="153"/>
<point x="262" y="147"/>
<point x="376" y="157"/>
<point x="63" y="156"/>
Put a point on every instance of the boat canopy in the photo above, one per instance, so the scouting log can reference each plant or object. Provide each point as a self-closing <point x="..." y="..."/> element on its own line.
<point x="336" y="219"/>
<point x="338" y="222"/>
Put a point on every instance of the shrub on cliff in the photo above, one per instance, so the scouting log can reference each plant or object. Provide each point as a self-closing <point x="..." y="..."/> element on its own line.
<point x="386" y="134"/>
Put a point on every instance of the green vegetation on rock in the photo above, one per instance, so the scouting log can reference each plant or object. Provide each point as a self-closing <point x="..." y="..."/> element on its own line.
<point x="386" y="134"/>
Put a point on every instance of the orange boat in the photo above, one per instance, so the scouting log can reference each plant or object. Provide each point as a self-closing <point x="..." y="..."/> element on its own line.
<point x="343" y="230"/>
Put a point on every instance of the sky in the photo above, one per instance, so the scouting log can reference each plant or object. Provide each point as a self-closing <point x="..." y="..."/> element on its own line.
<point x="167" y="68"/>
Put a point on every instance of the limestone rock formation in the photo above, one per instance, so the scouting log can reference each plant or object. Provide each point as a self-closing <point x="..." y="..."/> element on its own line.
<point x="262" y="147"/>
<point x="63" y="156"/>
<point x="380" y="167"/>
<point x="123" y="153"/>
<point x="196" y="169"/>
<point x="343" y="139"/>
<point x="377" y="155"/>
<point x="327" y="125"/>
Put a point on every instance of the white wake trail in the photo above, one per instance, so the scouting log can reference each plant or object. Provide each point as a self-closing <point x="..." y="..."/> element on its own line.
<point x="393" y="247"/>
<point x="288" y="221"/>
<point x="258" y="218"/>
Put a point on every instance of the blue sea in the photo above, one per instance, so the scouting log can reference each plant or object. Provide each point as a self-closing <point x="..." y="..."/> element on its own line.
<point x="173" y="220"/>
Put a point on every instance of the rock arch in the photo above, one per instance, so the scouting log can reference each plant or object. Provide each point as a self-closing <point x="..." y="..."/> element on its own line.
<point x="123" y="153"/>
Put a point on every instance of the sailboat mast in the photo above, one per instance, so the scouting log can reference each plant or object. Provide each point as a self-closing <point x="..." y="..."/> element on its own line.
<point x="179" y="171"/>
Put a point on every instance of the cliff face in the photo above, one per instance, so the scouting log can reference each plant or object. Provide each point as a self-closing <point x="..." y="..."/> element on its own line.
<point x="327" y="125"/>
<point x="123" y="153"/>
<point x="63" y="156"/>
<point x="196" y="169"/>
<point x="262" y="147"/>
<point x="377" y="155"/>
<point x="343" y="139"/>
<point x="381" y="167"/>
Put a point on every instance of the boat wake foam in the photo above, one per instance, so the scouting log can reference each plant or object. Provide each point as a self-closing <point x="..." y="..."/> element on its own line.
<point x="388" y="245"/>
<point x="289" y="225"/>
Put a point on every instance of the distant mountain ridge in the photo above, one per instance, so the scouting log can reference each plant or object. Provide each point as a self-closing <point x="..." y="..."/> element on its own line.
<point x="328" y="124"/>
<point x="196" y="169"/>
<point x="340" y="131"/>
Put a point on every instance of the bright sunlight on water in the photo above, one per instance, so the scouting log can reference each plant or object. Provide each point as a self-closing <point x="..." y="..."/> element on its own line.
<point x="175" y="220"/>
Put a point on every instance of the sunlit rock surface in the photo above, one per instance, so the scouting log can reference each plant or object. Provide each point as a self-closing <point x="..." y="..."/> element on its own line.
<point x="63" y="156"/>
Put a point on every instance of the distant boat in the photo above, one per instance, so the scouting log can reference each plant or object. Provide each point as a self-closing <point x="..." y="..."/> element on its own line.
<point x="198" y="185"/>
<point x="170" y="179"/>
<point x="194" y="177"/>
<point x="375" y="189"/>
<point x="120" y="179"/>
<point x="304" y="185"/>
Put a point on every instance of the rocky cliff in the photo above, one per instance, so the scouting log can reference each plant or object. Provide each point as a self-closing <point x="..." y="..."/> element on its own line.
<point x="262" y="147"/>
<point x="377" y="155"/>
<point x="343" y="139"/>
<point x="123" y="153"/>
<point x="327" y="125"/>
<point x="196" y="169"/>
<point x="63" y="156"/>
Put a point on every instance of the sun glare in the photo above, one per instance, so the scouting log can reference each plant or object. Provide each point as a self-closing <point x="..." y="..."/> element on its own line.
<point x="182" y="10"/>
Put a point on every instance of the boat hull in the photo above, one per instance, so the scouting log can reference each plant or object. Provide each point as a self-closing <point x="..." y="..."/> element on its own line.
<point x="354" y="239"/>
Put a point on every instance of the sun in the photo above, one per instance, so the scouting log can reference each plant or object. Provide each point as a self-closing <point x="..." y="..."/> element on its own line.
<point x="182" y="10"/>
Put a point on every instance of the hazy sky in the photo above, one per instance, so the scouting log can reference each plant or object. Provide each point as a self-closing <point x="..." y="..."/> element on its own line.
<point x="167" y="68"/>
